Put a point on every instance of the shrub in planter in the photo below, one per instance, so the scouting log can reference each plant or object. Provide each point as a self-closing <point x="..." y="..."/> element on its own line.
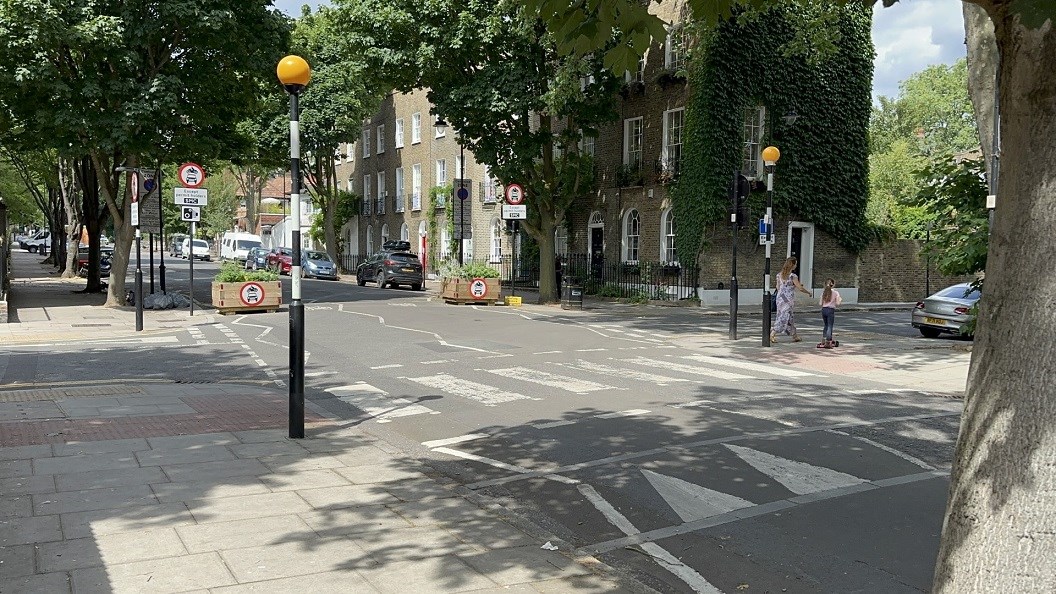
<point x="232" y="272"/>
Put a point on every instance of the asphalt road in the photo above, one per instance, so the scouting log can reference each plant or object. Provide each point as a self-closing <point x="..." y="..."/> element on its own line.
<point x="638" y="435"/>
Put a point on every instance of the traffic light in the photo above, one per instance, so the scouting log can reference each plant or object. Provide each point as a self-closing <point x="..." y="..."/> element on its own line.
<point x="740" y="187"/>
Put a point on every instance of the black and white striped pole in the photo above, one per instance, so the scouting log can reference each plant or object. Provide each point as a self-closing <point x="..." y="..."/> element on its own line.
<point x="294" y="74"/>
<point x="770" y="157"/>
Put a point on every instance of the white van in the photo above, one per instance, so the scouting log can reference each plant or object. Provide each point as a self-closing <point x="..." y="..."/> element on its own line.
<point x="201" y="249"/>
<point x="236" y="246"/>
<point x="41" y="242"/>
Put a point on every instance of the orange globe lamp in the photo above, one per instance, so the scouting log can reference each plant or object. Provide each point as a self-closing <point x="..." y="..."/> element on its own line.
<point x="294" y="73"/>
<point x="771" y="155"/>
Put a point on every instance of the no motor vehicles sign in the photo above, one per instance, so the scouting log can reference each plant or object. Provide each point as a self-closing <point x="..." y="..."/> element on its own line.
<point x="478" y="288"/>
<point x="251" y="294"/>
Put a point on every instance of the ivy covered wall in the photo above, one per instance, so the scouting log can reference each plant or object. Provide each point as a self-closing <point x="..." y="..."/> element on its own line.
<point x="822" y="175"/>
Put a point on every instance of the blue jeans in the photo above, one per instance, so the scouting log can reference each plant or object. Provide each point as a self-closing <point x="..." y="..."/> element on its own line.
<point x="828" y="315"/>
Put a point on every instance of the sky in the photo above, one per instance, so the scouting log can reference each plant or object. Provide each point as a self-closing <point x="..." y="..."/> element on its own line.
<point x="909" y="36"/>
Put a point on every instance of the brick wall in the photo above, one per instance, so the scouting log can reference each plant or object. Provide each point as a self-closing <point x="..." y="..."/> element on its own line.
<point x="895" y="271"/>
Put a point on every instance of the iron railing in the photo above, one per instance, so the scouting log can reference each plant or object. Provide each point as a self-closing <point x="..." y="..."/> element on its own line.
<point x="380" y="202"/>
<point x="416" y="201"/>
<point x="367" y="206"/>
<point x="399" y="202"/>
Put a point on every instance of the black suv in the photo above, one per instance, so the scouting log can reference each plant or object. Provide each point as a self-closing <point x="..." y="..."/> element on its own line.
<point x="391" y="269"/>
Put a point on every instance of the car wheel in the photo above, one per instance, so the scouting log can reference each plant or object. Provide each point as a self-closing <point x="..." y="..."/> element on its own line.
<point x="359" y="279"/>
<point x="32" y="249"/>
<point x="929" y="332"/>
<point x="207" y="259"/>
<point x="382" y="280"/>
<point x="416" y="287"/>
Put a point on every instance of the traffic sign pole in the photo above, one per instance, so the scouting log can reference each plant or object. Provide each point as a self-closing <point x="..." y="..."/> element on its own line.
<point x="161" y="232"/>
<point x="139" y="278"/>
<point x="190" y="261"/>
<point x="296" y="421"/>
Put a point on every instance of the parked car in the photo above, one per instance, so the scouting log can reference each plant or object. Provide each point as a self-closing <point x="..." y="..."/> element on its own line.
<point x="945" y="312"/>
<point x="257" y="258"/>
<point x="106" y="256"/>
<point x="176" y="245"/>
<point x="396" y="245"/>
<point x="280" y="260"/>
<point x="391" y="269"/>
<point x="315" y="264"/>
<point x="201" y="249"/>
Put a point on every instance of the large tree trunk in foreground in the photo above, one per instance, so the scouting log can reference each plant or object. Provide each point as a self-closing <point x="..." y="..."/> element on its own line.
<point x="1000" y="528"/>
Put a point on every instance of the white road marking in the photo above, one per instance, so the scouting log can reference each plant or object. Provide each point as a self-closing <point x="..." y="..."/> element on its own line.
<point x="658" y="363"/>
<point x="438" y="362"/>
<point x="693" y="502"/>
<point x="799" y="477"/>
<point x="887" y="449"/>
<point x="392" y="366"/>
<point x="652" y="378"/>
<point x="748" y="365"/>
<point x="564" y="382"/>
<point x="376" y="403"/>
<point x="612" y="415"/>
<point x="590" y="350"/>
<point x="663" y="558"/>
<point x="437" y="443"/>
<point x="547" y="352"/>
<point x="484" y="394"/>
<point x="502" y="465"/>
<point x="502" y="356"/>
<point x="439" y="339"/>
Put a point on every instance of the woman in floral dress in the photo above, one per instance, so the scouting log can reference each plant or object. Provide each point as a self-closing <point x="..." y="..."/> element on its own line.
<point x="787" y="285"/>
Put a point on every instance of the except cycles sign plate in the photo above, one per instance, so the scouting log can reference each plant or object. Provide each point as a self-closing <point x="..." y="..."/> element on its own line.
<point x="478" y="288"/>
<point x="515" y="211"/>
<point x="251" y="294"/>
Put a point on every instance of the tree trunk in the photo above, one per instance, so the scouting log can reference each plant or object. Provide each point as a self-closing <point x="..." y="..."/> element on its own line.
<point x="74" y="224"/>
<point x="547" y="268"/>
<point x="982" y="71"/>
<point x="1000" y="529"/>
<point x="94" y="217"/>
<point x="111" y="186"/>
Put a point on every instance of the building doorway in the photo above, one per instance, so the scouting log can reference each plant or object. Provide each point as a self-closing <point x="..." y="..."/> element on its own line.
<point x="596" y="249"/>
<point x="801" y="245"/>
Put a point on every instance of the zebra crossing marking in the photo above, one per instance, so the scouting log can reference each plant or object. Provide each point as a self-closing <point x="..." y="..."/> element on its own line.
<point x="376" y="403"/>
<point x="671" y="365"/>
<point x="484" y="394"/>
<point x="748" y="365"/>
<point x="553" y="380"/>
<point x="659" y="380"/>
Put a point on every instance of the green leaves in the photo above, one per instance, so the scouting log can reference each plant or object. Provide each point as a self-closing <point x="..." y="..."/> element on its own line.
<point x="953" y="194"/>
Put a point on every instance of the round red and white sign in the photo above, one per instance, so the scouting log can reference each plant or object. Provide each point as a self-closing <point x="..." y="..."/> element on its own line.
<point x="514" y="194"/>
<point x="478" y="288"/>
<point x="251" y="294"/>
<point x="192" y="175"/>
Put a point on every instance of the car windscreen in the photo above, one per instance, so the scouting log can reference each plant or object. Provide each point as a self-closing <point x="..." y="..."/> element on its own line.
<point x="408" y="258"/>
<point x="959" y="292"/>
<point x="246" y="244"/>
<point x="317" y="256"/>
<point x="201" y="243"/>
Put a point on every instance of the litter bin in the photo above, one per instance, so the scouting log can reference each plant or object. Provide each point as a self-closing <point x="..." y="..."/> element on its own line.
<point x="573" y="295"/>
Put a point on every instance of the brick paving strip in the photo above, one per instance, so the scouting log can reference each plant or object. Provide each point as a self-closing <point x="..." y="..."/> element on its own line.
<point x="228" y="412"/>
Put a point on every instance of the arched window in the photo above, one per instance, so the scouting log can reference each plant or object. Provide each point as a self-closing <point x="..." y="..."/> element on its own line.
<point x="667" y="237"/>
<point x="405" y="233"/>
<point x="384" y="233"/>
<point x="370" y="240"/>
<point x="631" y="231"/>
<point x="495" y="254"/>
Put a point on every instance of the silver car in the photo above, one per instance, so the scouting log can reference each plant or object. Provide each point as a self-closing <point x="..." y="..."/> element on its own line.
<point x="945" y="312"/>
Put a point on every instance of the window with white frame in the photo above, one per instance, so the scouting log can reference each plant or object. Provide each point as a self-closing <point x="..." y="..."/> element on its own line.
<point x="381" y="138"/>
<point x="675" y="47"/>
<point x="587" y="144"/>
<point x="667" y="237"/>
<point x="671" y="158"/>
<point x="370" y="240"/>
<point x="383" y="196"/>
<point x="495" y="254"/>
<point x="441" y="172"/>
<point x="366" y="194"/>
<point x="416" y="186"/>
<point x="416" y="128"/>
<point x="405" y="232"/>
<point x="632" y="227"/>
<point x="398" y="140"/>
<point x="561" y="241"/>
<point x="754" y="126"/>
<point x="384" y="233"/>
<point x="440" y="131"/>
<point x="638" y="75"/>
<point x="366" y="142"/>
<point x="350" y="185"/>
<point x="445" y="243"/>
<point x="490" y="193"/>
<point x="399" y="189"/>
<point x="632" y="142"/>
<point x="350" y="153"/>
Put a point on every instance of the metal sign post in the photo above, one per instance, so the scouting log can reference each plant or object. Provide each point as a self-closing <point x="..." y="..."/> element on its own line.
<point x="190" y="261"/>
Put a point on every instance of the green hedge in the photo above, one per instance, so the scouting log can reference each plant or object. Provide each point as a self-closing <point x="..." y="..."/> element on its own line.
<point x="823" y="173"/>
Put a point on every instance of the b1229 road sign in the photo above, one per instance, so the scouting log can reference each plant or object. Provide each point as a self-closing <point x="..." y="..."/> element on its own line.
<point x="478" y="288"/>
<point x="192" y="175"/>
<point x="190" y="214"/>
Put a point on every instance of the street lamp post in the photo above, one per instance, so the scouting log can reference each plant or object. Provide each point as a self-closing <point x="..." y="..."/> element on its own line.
<point x="770" y="157"/>
<point x="294" y="74"/>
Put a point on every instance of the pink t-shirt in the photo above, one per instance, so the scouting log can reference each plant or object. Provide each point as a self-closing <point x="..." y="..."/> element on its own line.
<point x="833" y="301"/>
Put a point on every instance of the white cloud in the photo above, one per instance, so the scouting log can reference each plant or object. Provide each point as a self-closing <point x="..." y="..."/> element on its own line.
<point x="912" y="35"/>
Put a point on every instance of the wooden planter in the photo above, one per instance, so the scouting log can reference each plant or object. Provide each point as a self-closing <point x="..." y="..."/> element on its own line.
<point x="247" y="296"/>
<point x="456" y="291"/>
